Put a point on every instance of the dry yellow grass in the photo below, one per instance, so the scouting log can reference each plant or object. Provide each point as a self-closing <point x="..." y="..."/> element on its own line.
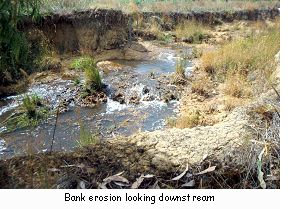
<point x="187" y="120"/>
<point x="192" y="30"/>
<point x="157" y="6"/>
<point x="230" y="103"/>
<point x="236" y="85"/>
<point x="234" y="61"/>
<point x="202" y="85"/>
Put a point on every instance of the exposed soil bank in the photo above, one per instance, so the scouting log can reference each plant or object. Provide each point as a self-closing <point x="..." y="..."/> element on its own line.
<point x="98" y="30"/>
<point x="230" y="145"/>
<point x="215" y="17"/>
<point x="88" y="30"/>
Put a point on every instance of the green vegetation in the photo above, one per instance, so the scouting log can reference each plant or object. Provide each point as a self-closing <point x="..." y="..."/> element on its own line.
<point x="76" y="81"/>
<point x="30" y="104"/>
<point x="82" y="63"/>
<point x="166" y="38"/>
<point x="15" y="51"/>
<point x="30" y="113"/>
<point x="92" y="76"/>
<point x="85" y="137"/>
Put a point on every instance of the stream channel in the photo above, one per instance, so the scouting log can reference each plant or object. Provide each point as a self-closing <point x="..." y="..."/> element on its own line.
<point x="144" y="82"/>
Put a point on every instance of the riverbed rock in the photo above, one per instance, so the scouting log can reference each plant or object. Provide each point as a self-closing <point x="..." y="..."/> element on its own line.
<point x="148" y="97"/>
<point x="136" y="51"/>
<point x="119" y="97"/>
<point x="134" y="99"/>
<point x="92" y="100"/>
<point x="168" y="96"/>
<point x="145" y="90"/>
<point x="108" y="66"/>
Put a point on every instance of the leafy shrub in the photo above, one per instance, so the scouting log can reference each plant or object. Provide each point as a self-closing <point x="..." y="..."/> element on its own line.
<point x="15" y="50"/>
<point x="166" y="38"/>
<point x="76" y="81"/>
<point x="91" y="73"/>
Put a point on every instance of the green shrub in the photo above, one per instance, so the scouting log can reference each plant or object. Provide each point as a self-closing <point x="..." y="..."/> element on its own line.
<point x="197" y="37"/>
<point x="166" y="38"/>
<point x="15" y="50"/>
<point x="91" y="73"/>
<point x="76" y="81"/>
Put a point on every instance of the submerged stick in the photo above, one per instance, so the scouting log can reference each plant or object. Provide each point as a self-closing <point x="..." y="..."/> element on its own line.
<point x="55" y="126"/>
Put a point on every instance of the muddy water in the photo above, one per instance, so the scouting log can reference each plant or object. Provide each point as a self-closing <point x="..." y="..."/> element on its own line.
<point x="145" y="80"/>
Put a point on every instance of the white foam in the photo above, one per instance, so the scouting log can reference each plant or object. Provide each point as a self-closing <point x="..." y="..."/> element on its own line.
<point x="136" y="89"/>
<point x="113" y="106"/>
<point x="167" y="56"/>
<point x="9" y="107"/>
<point x="2" y="129"/>
<point x="2" y="145"/>
<point x="154" y="103"/>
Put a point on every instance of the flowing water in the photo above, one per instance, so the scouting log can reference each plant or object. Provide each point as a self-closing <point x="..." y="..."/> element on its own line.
<point x="108" y="119"/>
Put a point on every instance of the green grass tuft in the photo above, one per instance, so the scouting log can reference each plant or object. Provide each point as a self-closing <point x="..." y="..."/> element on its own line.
<point x="85" y="137"/>
<point x="82" y="63"/>
<point x="92" y="78"/>
<point x="30" y="114"/>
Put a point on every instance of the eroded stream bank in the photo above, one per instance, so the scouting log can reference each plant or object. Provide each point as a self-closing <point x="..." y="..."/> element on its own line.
<point x="216" y="138"/>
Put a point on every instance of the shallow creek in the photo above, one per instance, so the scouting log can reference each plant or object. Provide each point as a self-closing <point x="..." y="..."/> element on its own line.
<point x="145" y="80"/>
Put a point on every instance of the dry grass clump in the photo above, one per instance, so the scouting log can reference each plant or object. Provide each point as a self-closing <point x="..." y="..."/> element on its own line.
<point x="254" y="55"/>
<point x="156" y="29"/>
<point x="202" y="85"/>
<point x="236" y="85"/>
<point x="266" y="146"/>
<point x="230" y="103"/>
<point x="187" y="120"/>
<point x="180" y="68"/>
<point x="207" y="5"/>
<point x="192" y="32"/>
